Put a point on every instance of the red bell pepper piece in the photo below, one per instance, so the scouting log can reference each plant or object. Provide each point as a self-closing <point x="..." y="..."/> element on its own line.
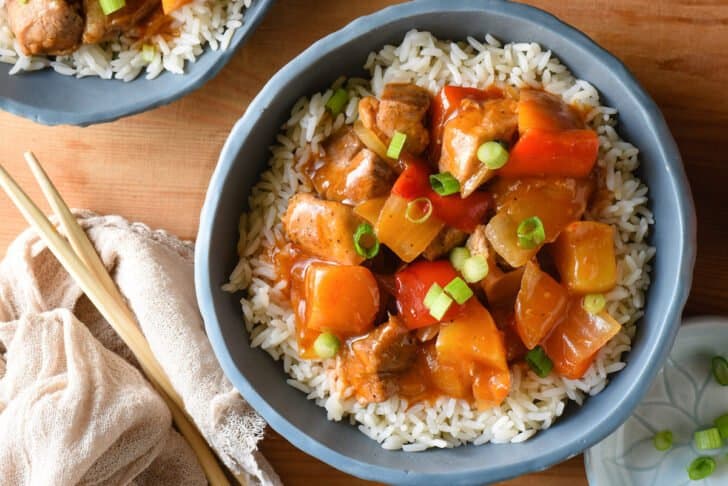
<point x="412" y="284"/>
<point x="444" y="105"/>
<point x="567" y="153"/>
<point x="463" y="214"/>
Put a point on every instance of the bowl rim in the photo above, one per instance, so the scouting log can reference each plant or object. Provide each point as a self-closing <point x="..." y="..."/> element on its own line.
<point x="669" y="320"/>
<point x="47" y="116"/>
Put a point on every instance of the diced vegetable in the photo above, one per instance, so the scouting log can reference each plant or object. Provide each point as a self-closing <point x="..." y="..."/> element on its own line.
<point x="396" y="145"/>
<point x="444" y="184"/>
<point x="491" y="387"/>
<point x="540" y="306"/>
<point x="594" y="303"/>
<point x="707" y="439"/>
<point x="573" y="344"/>
<point x="338" y="101"/>
<point x="720" y="370"/>
<point x="570" y="153"/>
<point x="405" y="238"/>
<point x="722" y="424"/>
<point x="412" y="285"/>
<point x="539" y="362"/>
<point x="662" y="440"/>
<point x="473" y="338"/>
<point x="531" y="233"/>
<point x="556" y="201"/>
<point x="370" y="209"/>
<point x="502" y="233"/>
<point x="500" y="287"/>
<point x="418" y="210"/>
<point x="463" y="214"/>
<point x="365" y="241"/>
<point x="326" y="345"/>
<point x="584" y="256"/>
<point x="111" y="6"/>
<point x="445" y="105"/>
<point x="493" y="154"/>
<point x="544" y="111"/>
<point x="148" y="53"/>
<point x="459" y="290"/>
<point x="440" y="305"/>
<point x="475" y="269"/>
<point x="432" y="295"/>
<point x="371" y="140"/>
<point x="701" y="468"/>
<point x="169" y="6"/>
<point x="458" y="256"/>
<point x="343" y="299"/>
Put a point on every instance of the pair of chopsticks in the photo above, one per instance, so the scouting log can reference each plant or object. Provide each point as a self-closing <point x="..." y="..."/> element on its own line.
<point x="79" y="258"/>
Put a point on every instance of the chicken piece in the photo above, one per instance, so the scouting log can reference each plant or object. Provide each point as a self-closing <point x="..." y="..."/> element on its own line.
<point x="402" y="107"/>
<point x="475" y="123"/>
<point x="322" y="228"/>
<point x="52" y="27"/>
<point x="348" y="172"/>
<point x="100" y="26"/>
<point x="446" y="240"/>
<point x="371" y="363"/>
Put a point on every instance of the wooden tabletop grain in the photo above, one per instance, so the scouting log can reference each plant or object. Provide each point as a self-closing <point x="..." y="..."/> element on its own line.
<point x="155" y="167"/>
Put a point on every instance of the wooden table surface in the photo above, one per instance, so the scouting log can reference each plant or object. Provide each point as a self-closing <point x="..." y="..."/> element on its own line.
<point x="154" y="167"/>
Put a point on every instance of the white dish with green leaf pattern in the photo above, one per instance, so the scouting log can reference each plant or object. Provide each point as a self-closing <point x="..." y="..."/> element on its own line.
<point x="683" y="398"/>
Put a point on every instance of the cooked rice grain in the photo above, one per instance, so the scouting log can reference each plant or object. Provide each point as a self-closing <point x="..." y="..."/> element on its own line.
<point x="534" y="403"/>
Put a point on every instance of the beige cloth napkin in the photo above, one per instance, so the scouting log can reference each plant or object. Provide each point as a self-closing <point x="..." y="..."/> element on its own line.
<point x="72" y="411"/>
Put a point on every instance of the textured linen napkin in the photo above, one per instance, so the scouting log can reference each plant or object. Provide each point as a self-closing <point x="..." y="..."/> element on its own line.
<point x="74" y="409"/>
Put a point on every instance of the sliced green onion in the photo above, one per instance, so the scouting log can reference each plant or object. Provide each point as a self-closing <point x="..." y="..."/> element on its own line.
<point x="707" y="439"/>
<point x="111" y="6"/>
<point x="721" y="423"/>
<point x="459" y="290"/>
<point x="530" y="233"/>
<point x="493" y="154"/>
<point x="432" y="294"/>
<point x="338" y="101"/>
<point x="418" y="210"/>
<point x="539" y="362"/>
<point x="458" y="255"/>
<point x="326" y="345"/>
<point x="701" y="468"/>
<point x="720" y="370"/>
<point x="366" y="242"/>
<point x="475" y="269"/>
<point x="440" y="305"/>
<point x="148" y="52"/>
<point x="444" y="183"/>
<point x="594" y="303"/>
<point x="663" y="440"/>
<point x="396" y="145"/>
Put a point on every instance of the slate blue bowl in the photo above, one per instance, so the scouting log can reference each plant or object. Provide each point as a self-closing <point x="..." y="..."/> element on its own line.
<point x="53" y="99"/>
<point x="262" y="381"/>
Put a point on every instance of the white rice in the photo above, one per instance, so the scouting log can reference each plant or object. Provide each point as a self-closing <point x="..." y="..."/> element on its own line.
<point x="534" y="403"/>
<point x="200" y="23"/>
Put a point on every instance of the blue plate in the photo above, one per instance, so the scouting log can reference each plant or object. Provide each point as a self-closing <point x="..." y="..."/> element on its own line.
<point x="53" y="99"/>
<point x="262" y="381"/>
<point x="684" y="398"/>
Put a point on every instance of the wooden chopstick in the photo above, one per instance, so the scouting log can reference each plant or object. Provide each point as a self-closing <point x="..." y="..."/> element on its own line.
<point x="87" y="270"/>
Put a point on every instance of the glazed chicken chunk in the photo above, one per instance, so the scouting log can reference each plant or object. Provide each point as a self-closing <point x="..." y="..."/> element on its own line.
<point x="348" y="172"/>
<point x="322" y="228"/>
<point x="475" y="124"/>
<point x="402" y="107"/>
<point x="52" y="27"/>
